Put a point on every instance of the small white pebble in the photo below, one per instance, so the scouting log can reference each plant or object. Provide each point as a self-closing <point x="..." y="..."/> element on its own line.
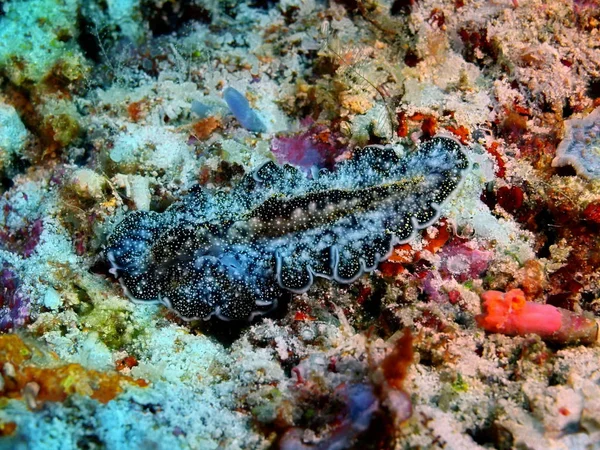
<point x="30" y="393"/>
<point x="9" y="370"/>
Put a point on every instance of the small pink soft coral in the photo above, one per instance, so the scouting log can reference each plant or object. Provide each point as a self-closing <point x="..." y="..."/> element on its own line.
<point x="315" y="147"/>
<point x="463" y="262"/>
<point x="511" y="314"/>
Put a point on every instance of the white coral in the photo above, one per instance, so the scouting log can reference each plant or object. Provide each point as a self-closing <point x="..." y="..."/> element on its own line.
<point x="581" y="146"/>
<point x="13" y="135"/>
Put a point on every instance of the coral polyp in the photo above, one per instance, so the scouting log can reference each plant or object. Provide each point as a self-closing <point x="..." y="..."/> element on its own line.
<point x="232" y="255"/>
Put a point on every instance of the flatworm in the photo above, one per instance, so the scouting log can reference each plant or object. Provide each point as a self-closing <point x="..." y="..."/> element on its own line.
<point x="232" y="254"/>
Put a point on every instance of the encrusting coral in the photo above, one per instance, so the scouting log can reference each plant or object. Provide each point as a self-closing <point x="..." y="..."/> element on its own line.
<point x="22" y="376"/>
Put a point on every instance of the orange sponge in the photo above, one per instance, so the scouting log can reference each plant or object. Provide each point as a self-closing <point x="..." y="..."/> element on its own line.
<point x="511" y="314"/>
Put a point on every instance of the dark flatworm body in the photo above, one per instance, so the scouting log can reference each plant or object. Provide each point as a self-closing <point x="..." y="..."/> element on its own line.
<point x="233" y="253"/>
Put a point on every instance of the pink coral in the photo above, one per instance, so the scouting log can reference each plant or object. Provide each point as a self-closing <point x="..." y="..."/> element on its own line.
<point x="458" y="261"/>
<point x="23" y="240"/>
<point x="14" y="304"/>
<point x="511" y="314"/>
<point x="315" y="147"/>
<point x="463" y="263"/>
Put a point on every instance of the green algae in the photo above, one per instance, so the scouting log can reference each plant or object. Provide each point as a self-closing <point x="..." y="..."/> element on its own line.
<point x="114" y="326"/>
<point x="112" y="321"/>
<point x="460" y="385"/>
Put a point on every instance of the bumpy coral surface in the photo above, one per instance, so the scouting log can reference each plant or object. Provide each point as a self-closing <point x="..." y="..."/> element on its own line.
<point x="13" y="137"/>
<point x="580" y="147"/>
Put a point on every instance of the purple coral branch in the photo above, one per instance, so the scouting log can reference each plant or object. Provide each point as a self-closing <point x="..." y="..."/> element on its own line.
<point x="14" y="304"/>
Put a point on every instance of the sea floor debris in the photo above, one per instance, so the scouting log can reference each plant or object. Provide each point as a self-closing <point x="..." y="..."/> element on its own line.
<point x="480" y="330"/>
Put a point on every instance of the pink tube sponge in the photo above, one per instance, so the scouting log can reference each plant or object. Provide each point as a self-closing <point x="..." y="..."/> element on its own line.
<point x="512" y="315"/>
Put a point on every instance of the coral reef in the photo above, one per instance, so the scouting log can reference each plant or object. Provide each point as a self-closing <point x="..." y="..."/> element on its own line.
<point x="405" y="192"/>
<point x="39" y="40"/>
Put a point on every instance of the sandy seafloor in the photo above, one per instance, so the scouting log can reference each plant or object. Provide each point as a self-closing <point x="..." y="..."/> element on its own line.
<point x="112" y="106"/>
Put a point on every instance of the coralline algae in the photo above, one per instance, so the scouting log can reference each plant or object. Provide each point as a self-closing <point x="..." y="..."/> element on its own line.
<point x="581" y="146"/>
<point x="233" y="254"/>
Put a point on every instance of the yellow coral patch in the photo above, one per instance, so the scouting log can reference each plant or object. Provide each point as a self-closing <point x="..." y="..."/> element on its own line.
<point x="56" y="382"/>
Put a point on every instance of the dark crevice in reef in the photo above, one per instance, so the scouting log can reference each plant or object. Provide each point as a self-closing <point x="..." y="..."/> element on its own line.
<point x="492" y="434"/>
<point x="229" y="332"/>
<point x="478" y="47"/>
<point x="373" y="304"/>
<point x="88" y="40"/>
<point x="5" y="184"/>
<point x="567" y="110"/>
<point x="402" y="7"/>
<point x="17" y="166"/>
<point x="565" y="171"/>
<point x="263" y="4"/>
<point x="411" y="59"/>
<point x="85" y="157"/>
<point x="226" y="334"/>
<point x="593" y="88"/>
<point x="545" y="222"/>
<point x="101" y="267"/>
<point x="172" y="16"/>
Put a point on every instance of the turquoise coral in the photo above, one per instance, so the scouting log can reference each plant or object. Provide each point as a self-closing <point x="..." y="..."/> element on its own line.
<point x="38" y="36"/>
<point x="13" y="137"/>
